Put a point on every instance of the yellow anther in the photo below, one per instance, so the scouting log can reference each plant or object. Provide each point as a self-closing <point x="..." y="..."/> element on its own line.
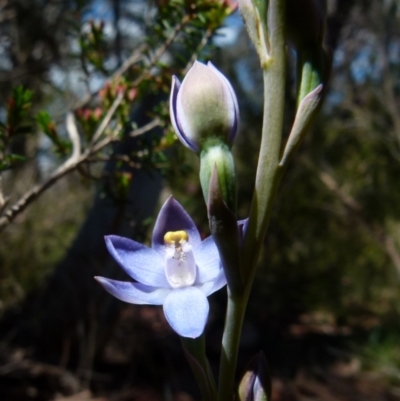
<point x="176" y="238"/>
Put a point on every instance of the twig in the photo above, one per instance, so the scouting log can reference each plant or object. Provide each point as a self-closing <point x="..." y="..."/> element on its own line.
<point x="139" y="131"/>
<point x="135" y="57"/>
<point x="67" y="167"/>
<point x="74" y="137"/>
<point x="107" y="118"/>
<point x="96" y="144"/>
<point x="161" y="50"/>
<point x="3" y="200"/>
<point x="333" y="186"/>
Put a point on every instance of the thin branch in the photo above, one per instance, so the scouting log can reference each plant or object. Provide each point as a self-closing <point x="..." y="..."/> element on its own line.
<point x="77" y="158"/>
<point x="333" y="186"/>
<point x="74" y="137"/>
<point x="162" y="49"/>
<point x="3" y="200"/>
<point x="13" y="211"/>
<point x="135" y="57"/>
<point x="106" y="120"/>
<point x="140" y="131"/>
<point x="138" y="55"/>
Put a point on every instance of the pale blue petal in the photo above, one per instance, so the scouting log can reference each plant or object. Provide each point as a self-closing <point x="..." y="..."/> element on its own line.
<point x="173" y="217"/>
<point x="134" y="293"/>
<point x="186" y="310"/>
<point x="214" y="285"/>
<point x="207" y="260"/>
<point x="139" y="261"/>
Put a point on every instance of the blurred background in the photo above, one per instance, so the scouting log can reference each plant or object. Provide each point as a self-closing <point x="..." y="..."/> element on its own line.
<point x="325" y="307"/>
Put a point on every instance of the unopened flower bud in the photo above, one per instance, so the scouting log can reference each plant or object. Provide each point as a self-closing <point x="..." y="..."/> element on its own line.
<point x="256" y="382"/>
<point x="203" y="107"/>
<point x="305" y="115"/>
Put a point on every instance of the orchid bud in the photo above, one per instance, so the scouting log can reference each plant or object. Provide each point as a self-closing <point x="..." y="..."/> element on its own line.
<point x="305" y="115"/>
<point x="256" y="382"/>
<point x="203" y="107"/>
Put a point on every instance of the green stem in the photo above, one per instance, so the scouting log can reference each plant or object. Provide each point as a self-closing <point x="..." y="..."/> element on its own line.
<point x="267" y="180"/>
<point x="195" y="354"/>
<point x="236" y="309"/>
<point x="268" y="171"/>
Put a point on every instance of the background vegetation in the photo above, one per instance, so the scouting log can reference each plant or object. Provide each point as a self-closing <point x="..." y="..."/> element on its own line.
<point x="326" y="303"/>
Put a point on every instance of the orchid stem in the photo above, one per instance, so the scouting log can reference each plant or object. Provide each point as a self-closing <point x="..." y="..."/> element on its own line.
<point x="236" y="309"/>
<point x="267" y="181"/>
<point x="268" y="171"/>
<point x="195" y="354"/>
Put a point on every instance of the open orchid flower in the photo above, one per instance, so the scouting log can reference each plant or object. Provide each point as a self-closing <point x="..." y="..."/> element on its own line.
<point x="204" y="106"/>
<point x="179" y="271"/>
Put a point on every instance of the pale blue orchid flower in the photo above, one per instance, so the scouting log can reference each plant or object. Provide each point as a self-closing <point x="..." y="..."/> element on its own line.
<point x="179" y="271"/>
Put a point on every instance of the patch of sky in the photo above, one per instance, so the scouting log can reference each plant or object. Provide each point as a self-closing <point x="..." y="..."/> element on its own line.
<point x="102" y="10"/>
<point x="58" y="77"/>
<point x="245" y="75"/>
<point x="249" y="81"/>
<point x="45" y="159"/>
<point x="339" y="57"/>
<point x="108" y="28"/>
<point x="333" y="99"/>
<point x="98" y="9"/>
<point x="72" y="79"/>
<point x="366" y="65"/>
<point x="394" y="52"/>
<point x="3" y="114"/>
<point x="127" y="28"/>
<point x="5" y="62"/>
<point x="139" y="7"/>
<point x="74" y="46"/>
<point x="228" y="34"/>
<point x="111" y="63"/>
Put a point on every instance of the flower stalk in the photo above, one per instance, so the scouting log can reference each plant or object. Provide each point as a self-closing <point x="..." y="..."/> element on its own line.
<point x="234" y="317"/>
<point x="268" y="171"/>
<point x="268" y="177"/>
<point x="195" y="354"/>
